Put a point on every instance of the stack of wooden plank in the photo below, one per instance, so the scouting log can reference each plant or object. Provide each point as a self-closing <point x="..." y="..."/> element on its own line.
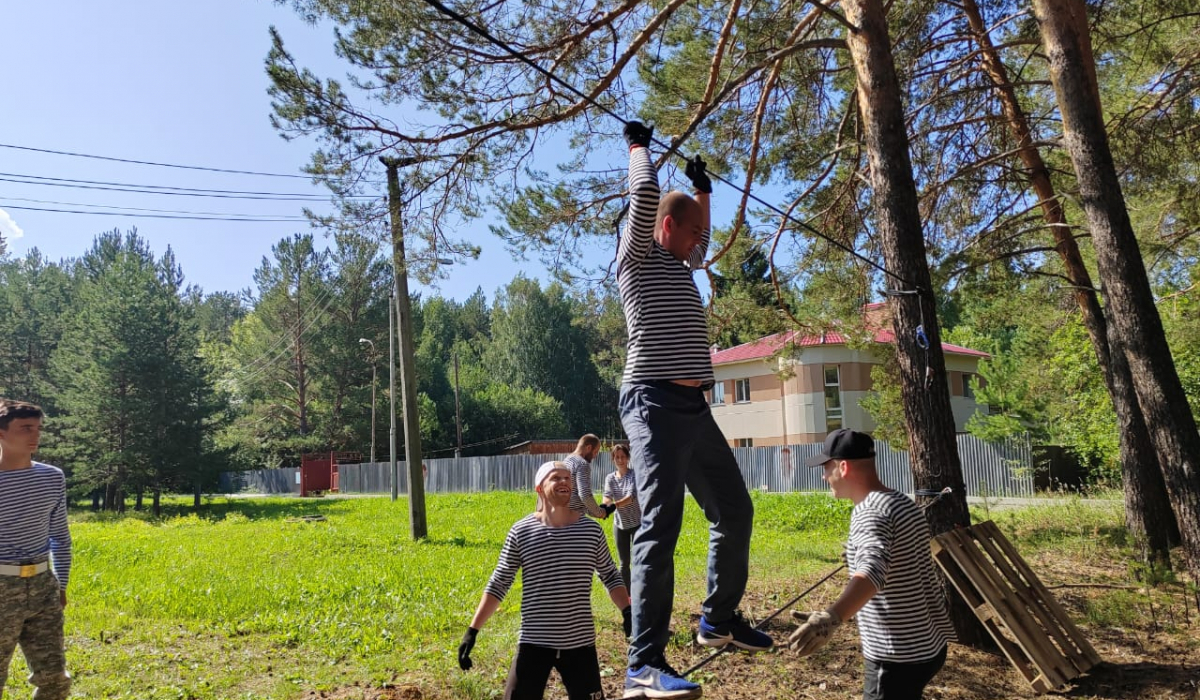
<point x="1028" y="624"/>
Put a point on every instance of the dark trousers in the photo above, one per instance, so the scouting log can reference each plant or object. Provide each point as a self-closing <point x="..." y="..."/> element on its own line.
<point x="676" y="443"/>
<point x="624" y="539"/>
<point x="530" y="672"/>
<point x="890" y="680"/>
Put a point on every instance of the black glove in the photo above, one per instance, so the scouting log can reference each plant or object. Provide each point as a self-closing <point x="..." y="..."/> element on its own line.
<point x="695" y="171"/>
<point x="627" y="621"/>
<point x="464" y="649"/>
<point x="609" y="508"/>
<point x="638" y="134"/>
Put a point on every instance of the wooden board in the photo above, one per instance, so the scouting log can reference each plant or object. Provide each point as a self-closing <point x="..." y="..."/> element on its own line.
<point x="1028" y="624"/>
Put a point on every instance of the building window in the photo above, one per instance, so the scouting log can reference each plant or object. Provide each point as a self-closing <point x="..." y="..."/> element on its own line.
<point x="741" y="391"/>
<point x="833" y="398"/>
<point x="718" y="394"/>
<point x="743" y="442"/>
<point x="969" y="385"/>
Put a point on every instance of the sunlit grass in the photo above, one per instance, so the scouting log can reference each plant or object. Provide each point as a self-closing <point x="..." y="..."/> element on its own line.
<point x="245" y="600"/>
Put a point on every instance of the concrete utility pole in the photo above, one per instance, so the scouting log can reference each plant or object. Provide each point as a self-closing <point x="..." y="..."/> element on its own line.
<point x="374" y="382"/>
<point x="408" y="383"/>
<point x="457" y="411"/>
<point x="395" y="471"/>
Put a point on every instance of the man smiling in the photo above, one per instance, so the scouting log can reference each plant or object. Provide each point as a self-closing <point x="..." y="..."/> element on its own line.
<point x="556" y="550"/>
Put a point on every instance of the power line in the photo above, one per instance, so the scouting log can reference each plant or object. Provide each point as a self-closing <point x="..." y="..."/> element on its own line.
<point x="157" y="211"/>
<point x="669" y="149"/>
<point x="161" y="165"/>
<point x="157" y="216"/>
<point x="166" y="189"/>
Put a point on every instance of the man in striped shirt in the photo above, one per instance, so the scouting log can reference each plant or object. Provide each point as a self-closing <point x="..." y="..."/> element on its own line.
<point x="556" y="550"/>
<point x="33" y="535"/>
<point x="902" y="618"/>
<point x="583" y="500"/>
<point x="674" y="440"/>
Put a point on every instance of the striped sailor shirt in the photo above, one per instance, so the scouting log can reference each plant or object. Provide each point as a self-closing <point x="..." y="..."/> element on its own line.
<point x="583" y="500"/>
<point x="556" y="565"/>
<point x="907" y="620"/>
<point x="33" y="518"/>
<point x="668" y="333"/>
<point x="617" y="487"/>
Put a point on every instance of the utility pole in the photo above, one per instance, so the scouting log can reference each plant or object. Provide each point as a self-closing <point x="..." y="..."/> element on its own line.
<point x="408" y="384"/>
<point x="394" y="474"/>
<point x="374" y="383"/>
<point x="457" y="410"/>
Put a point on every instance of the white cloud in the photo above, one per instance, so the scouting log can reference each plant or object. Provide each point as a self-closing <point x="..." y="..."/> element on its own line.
<point x="9" y="230"/>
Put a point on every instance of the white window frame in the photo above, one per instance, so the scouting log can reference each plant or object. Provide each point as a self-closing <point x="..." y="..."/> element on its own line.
<point x="835" y="416"/>
<point x="737" y="390"/>
<point x="743" y="442"/>
<point x="718" y="394"/>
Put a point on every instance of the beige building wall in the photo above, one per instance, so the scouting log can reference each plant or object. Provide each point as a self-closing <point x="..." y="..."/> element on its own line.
<point x="792" y="410"/>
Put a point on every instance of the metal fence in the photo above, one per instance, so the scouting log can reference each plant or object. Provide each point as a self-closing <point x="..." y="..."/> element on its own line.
<point x="989" y="469"/>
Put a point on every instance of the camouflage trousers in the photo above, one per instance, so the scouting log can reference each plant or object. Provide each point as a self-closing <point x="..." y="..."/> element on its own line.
<point x="31" y="614"/>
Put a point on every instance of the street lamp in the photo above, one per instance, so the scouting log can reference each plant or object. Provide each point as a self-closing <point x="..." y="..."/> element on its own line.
<point x="374" y="368"/>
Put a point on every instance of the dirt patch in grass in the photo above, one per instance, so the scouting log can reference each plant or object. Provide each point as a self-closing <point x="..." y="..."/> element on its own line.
<point x="360" y="692"/>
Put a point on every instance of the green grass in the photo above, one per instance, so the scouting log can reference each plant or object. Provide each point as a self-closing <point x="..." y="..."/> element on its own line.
<point x="243" y="601"/>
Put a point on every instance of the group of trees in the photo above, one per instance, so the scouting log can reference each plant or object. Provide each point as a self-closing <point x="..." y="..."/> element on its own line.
<point x="154" y="386"/>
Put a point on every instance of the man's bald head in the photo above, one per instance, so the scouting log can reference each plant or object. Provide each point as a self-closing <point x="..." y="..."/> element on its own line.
<point x="679" y="223"/>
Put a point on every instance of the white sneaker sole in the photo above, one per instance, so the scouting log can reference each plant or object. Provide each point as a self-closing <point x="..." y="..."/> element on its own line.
<point x="631" y="693"/>
<point x="719" y="642"/>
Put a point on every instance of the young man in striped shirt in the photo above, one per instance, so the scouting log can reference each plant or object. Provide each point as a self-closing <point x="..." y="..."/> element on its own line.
<point x="583" y="500"/>
<point x="902" y="618"/>
<point x="556" y="550"/>
<point x="33" y="535"/>
<point x="674" y="440"/>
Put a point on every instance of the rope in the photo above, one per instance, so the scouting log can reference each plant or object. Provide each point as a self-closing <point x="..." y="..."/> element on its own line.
<point x="443" y="9"/>
<point x="938" y="495"/>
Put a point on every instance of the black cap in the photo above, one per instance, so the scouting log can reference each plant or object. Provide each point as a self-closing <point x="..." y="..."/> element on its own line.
<point x="843" y="443"/>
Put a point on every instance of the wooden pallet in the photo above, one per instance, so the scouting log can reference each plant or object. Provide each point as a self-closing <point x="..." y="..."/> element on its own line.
<point x="1028" y="624"/>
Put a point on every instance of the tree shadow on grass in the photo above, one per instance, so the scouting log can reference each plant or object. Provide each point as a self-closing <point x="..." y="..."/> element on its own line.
<point x="1143" y="679"/>
<point x="220" y="508"/>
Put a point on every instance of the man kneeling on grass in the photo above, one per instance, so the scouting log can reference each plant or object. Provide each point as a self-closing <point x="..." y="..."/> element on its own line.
<point x="902" y="618"/>
<point x="556" y="550"/>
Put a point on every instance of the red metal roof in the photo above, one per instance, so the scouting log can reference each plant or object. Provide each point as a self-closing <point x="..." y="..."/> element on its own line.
<point x="769" y="345"/>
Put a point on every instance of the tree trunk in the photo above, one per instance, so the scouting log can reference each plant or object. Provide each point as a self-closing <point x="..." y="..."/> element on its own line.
<point x="196" y="494"/>
<point x="923" y="389"/>
<point x="97" y="495"/>
<point x="1147" y="509"/>
<point x="1133" y="315"/>
<point x="157" y="503"/>
<point x="137" y="503"/>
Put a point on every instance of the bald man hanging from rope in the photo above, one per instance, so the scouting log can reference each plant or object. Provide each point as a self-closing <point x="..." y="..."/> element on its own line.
<point x="672" y="434"/>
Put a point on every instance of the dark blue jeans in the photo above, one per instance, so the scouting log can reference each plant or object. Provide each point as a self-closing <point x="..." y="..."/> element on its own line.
<point x="675" y="443"/>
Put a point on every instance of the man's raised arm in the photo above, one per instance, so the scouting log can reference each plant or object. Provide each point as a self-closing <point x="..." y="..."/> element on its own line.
<point x="695" y="170"/>
<point x="644" y="194"/>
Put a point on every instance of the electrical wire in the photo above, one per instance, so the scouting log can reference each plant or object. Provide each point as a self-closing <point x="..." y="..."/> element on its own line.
<point x="163" y="165"/>
<point x="165" y="189"/>
<point x="297" y="217"/>
<point x="443" y="9"/>
<point x="231" y="219"/>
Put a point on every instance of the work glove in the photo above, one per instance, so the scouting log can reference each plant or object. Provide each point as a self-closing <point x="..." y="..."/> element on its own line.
<point x="464" y="649"/>
<point x="609" y="508"/>
<point x="627" y="621"/>
<point x="638" y="134"/>
<point x="697" y="174"/>
<point x="818" y="627"/>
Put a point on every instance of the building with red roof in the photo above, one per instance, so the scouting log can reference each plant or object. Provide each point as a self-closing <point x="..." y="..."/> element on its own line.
<point x="794" y="387"/>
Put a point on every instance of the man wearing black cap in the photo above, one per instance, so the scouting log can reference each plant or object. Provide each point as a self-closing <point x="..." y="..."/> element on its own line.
<point x="902" y="618"/>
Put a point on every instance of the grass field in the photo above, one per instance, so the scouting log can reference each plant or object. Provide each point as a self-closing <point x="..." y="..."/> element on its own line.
<point x="247" y="601"/>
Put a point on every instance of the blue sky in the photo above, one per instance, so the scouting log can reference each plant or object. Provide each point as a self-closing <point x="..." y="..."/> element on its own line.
<point x="175" y="83"/>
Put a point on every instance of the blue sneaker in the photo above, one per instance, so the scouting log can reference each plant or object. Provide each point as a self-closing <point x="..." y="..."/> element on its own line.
<point x="659" y="680"/>
<point x="735" y="630"/>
